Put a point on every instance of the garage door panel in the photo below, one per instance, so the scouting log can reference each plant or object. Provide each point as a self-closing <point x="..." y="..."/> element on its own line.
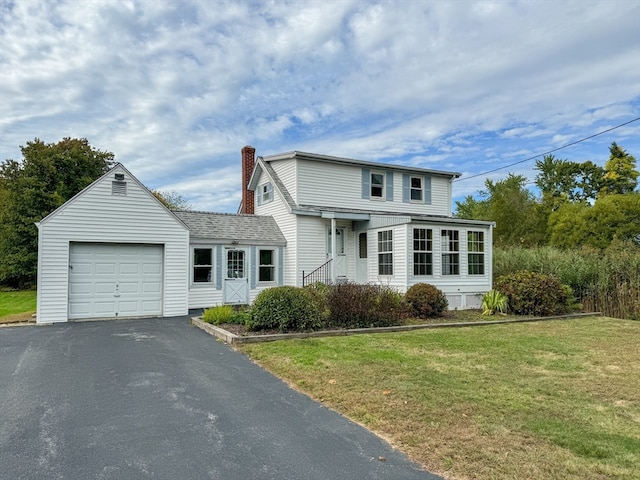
<point x="115" y="280"/>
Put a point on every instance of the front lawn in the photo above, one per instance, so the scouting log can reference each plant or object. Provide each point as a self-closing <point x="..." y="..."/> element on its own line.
<point x="553" y="400"/>
<point x="17" y="306"/>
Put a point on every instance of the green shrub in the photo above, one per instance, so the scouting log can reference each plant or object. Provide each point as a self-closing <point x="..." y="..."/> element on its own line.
<point x="531" y="293"/>
<point x="319" y="292"/>
<point x="218" y="314"/>
<point x="284" y="309"/>
<point x="426" y="300"/>
<point x="494" y="302"/>
<point x="354" y="305"/>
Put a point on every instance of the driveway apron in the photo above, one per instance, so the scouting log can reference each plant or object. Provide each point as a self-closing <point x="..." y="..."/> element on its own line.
<point x="160" y="399"/>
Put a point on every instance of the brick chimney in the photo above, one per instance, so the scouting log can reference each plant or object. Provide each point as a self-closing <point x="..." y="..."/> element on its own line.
<point x="248" y="162"/>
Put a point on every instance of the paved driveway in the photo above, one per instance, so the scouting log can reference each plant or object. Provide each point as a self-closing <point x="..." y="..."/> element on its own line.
<point x="160" y="399"/>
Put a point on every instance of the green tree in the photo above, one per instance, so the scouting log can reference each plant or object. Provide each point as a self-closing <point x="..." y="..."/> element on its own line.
<point x="172" y="200"/>
<point x="47" y="176"/>
<point x="620" y="174"/>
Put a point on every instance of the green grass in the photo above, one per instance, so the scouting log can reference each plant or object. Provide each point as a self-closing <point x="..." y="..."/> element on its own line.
<point x="553" y="400"/>
<point x="17" y="306"/>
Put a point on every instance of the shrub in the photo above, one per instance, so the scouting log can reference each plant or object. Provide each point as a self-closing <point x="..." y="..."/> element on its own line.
<point x="494" y="301"/>
<point x="218" y="314"/>
<point x="284" y="309"/>
<point x="319" y="292"/>
<point x="531" y="293"/>
<point x="425" y="300"/>
<point x="354" y="305"/>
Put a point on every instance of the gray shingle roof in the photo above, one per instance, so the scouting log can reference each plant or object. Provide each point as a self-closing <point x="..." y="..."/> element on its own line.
<point x="244" y="229"/>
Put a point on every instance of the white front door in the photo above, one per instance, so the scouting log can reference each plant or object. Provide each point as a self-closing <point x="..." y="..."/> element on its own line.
<point x="108" y="280"/>
<point x="362" y="267"/>
<point x="339" y="264"/>
<point x="236" y="281"/>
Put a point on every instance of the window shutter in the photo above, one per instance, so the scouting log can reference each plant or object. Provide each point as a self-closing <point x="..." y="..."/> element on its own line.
<point x="280" y="266"/>
<point x="253" y="268"/>
<point x="389" y="186"/>
<point x="218" y="267"/>
<point x="427" y="189"/>
<point x="406" y="189"/>
<point x="366" y="183"/>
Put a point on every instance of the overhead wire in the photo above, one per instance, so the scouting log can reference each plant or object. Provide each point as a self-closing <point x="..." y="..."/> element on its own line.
<point x="547" y="153"/>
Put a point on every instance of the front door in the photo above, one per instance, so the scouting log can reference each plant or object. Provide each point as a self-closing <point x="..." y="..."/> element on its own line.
<point x="362" y="267"/>
<point x="339" y="263"/>
<point x="236" y="281"/>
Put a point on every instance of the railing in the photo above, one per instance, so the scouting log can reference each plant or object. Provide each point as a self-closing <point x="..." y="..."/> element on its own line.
<point x="320" y="274"/>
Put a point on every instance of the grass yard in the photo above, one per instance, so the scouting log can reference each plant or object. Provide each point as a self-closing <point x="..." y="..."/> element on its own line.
<point x="547" y="400"/>
<point x="17" y="306"/>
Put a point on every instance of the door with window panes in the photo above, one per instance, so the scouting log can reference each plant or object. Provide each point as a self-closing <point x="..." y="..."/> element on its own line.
<point x="236" y="278"/>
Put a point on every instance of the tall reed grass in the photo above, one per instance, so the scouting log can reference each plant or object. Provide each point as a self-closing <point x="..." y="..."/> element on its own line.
<point x="607" y="280"/>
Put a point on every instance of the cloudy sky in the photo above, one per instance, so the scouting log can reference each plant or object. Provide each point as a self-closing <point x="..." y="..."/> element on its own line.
<point x="176" y="88"/>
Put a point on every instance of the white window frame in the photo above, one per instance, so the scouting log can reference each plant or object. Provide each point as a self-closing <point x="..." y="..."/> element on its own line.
<point x="450" y="248"/>
<point x="427" y="251"/>
<point x="382" y="186"/>
<point x="265" y="193"/>
<point x="385" y="253"/>
<point x="419" y="189"/>
<point x="475" y="249"/>
<point x="273" y="266"/>
<point x="211" y="276"/>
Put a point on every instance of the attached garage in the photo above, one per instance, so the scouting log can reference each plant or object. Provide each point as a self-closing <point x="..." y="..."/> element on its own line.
<point x="115" y="280"/>
<point x="112" y="251"/>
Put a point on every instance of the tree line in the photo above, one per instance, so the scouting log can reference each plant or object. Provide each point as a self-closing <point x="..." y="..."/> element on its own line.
<point x="580" y="204"/>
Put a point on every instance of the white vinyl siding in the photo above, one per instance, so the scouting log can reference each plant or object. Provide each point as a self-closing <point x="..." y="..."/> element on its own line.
<point x="335" y="185"/>
<point x="98" y="216"/>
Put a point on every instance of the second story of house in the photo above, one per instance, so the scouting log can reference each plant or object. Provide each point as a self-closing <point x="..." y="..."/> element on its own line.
<point x="308" y="181"/>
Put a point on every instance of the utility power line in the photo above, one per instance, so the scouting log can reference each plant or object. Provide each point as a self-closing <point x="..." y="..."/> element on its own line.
<point x="547" y="153"/>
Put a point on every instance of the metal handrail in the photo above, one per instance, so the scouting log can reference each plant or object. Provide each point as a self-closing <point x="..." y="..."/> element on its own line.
<point x="320" y="274"/>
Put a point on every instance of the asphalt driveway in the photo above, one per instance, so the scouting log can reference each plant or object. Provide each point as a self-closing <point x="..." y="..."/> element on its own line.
<point x="161" y="399"/>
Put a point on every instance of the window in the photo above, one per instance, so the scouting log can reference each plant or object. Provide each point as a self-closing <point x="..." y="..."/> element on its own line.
<point x="362" y="245"/>
<point x="416" y="189"/>
<point x="475" y="249"/>
<point x="450" y="257"/>
<point x="422" y="251"/>
<point x="385" y="252"/>
<point x="267" y="267"/>
<point x="377" y="185"/>
<point x="235" y="264"/>
<point x="202" y="265"/>
<point x="265" y="193"/>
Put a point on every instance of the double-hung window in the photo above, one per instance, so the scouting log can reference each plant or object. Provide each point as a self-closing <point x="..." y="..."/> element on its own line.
<point x="267" y="266"/>
<point x="265" y="193"/>
<point x="385" y="252"/>
<point x="450" y="247"/>
<point x="377" y="185"/>
<point x="422" y="251"/>
<point x="475" y="252"/>
<point x="416" y="189"/>
<point x="202" y="265"/>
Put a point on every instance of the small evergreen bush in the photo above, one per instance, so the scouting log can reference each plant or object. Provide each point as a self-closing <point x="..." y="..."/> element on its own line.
<point x="494" y="302"/>
<point x="354" y="305"/>
<point x="531" y="293"/>
<point x="319" y="292"/>
<point x="218" y="314"/>
<point x="284" y="309"/>
<point x="426" y="300"/>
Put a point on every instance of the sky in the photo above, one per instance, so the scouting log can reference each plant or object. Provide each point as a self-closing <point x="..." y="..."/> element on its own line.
<point x="175" y="89"/>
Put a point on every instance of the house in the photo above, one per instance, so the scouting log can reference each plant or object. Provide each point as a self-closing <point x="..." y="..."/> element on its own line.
<point x="115" y="251"/>
<point x="351" y="220"/>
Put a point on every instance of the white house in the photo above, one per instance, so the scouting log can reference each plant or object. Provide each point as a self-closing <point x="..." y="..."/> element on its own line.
<point x="351" y="220"/>
<point x="115" y="251"/>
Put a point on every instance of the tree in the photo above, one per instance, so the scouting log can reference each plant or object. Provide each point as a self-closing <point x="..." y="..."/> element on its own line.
<point x="620" y="174"/>
<point x="48" y="175"/>
<point x="172" y="200"/>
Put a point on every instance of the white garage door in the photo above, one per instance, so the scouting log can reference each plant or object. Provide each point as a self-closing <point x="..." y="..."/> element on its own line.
<point x="114" y="280"/>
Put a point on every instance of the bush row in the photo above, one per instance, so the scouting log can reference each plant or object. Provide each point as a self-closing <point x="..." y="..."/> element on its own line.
<point x="320" y="306"/>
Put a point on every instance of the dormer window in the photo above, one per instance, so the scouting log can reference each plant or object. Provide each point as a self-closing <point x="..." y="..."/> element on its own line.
<point x="265" y="193"/>
<point x="377" y="185"/>
<point x="416" y="189"/>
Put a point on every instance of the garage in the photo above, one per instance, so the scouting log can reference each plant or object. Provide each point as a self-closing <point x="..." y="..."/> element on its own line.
<point x="108" y="280"/>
